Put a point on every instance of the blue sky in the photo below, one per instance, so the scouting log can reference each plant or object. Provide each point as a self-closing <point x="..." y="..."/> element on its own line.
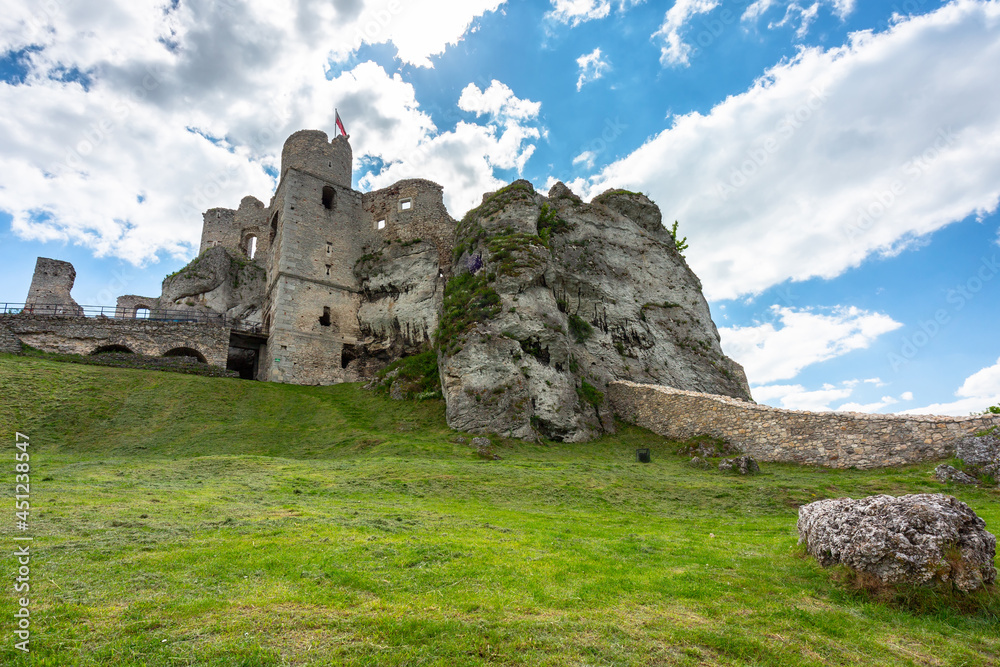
<point x="834" y="164"/>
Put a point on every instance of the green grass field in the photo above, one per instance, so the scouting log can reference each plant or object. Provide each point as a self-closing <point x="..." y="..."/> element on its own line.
<point x="182" y="520"/>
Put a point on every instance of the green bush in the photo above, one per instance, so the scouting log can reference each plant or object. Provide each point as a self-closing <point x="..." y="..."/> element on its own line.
<point x="468" y="299"/>
<point x="580" y="328"/>
<point x="588" y="393"/>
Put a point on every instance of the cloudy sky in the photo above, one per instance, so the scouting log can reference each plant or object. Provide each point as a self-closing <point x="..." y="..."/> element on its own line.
<point x="834" y="164"/>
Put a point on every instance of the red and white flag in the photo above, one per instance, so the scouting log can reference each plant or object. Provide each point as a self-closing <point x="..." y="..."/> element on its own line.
<point x="340" y="123"/>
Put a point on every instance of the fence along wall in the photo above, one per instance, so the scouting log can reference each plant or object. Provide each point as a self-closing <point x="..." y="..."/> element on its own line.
<point x="833" y="439"/>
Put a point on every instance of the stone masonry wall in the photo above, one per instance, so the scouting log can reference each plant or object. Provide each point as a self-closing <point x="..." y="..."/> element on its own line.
<point x="84" y="335"/>
<point x="312" y="294"/>
<point x="9" y="343"/>
<point x="51" y="286"/>
<point x="128" y="304"/>
<point x="833" y="439"/>
<point x="425" y="218"/>
<point x="218" y="227"/>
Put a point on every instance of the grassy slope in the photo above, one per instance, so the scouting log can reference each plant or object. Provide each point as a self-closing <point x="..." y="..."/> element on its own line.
<point x="186" y="520"/>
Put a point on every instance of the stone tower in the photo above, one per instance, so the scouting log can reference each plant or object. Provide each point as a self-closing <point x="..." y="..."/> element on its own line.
<point x="315" y="237"/>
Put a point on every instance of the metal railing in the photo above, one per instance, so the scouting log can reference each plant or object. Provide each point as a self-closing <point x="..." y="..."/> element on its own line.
<point x="116" y="313"/>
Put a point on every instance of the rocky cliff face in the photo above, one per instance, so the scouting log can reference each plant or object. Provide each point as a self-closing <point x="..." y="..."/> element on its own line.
<point x="217" y="281"/>
<point x="401" y="294"/>
<point x="552" y="298"/>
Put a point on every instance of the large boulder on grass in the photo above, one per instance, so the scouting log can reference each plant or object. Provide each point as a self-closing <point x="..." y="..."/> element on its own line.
<point x="741" y="465"/>
<point x="979" y="450"/>
<point x="946" y="473"/>
<point x="914" y="539"/>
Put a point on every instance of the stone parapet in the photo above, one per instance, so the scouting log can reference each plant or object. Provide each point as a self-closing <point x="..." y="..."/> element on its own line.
<point x="832" y="439"/>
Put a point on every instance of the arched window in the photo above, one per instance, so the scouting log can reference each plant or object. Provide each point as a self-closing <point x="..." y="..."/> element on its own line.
<point x="274" y="227"/>
<point x="141" y="313"/>
<point x="329" y="195"/>
<point x="250" y="246"/>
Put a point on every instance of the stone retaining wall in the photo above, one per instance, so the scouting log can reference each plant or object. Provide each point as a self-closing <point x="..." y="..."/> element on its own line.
<point x="833" y="439"/>
<point x="85" y="335"/>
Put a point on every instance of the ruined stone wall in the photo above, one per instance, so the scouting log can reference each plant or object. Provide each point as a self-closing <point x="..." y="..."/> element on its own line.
<point x="412" y="209"/>
<point x="833" y="439"/>
<point x="252" y="222"/>
<point x="218" y="228"/>
<point x="51" y="286"/>
<point x="85" y="335"/>
<point x="312" y="297"/>
<point x="128" y="304"/>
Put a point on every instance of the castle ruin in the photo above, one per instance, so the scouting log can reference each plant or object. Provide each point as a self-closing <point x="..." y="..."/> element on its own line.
<point x="547" y="316"/>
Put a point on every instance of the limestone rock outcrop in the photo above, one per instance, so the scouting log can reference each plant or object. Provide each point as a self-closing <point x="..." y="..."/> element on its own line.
<point x="217" y="281"/>
<point x="401" y="298"/>
<point x="741" y="465"/>
<point x="979" y="450"/>
<point x="914" y="539"/>
<point x="947" y="473"/>
<point x="553" y="298"/>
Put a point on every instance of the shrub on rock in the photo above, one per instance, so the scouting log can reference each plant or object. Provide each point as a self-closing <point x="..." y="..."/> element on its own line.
<point x="914" y="539"/>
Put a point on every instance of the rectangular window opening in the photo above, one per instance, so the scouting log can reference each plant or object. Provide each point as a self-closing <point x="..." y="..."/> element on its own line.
<point x="380" y="224"/>
<point x="405" y="204"/>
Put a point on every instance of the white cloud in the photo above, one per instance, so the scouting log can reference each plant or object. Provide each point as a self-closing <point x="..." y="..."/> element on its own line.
<point x="586" y="158"/>
<point x="805" y="337"/>
<point x="497" y="100"/>
<point x="796" y="397"/>
<point x="979" y="391"/>
<point x="675" y="51"/>
<point x="885" y="402"/>
<point x="464" y="159"/>
<point x="416" y="38"/>
<point x="167" y="112"/>
<point x="796" y="13"/>
<point x="819" y="166"/>
<point x="592" y="67"/>
<point x="575" y="12"/>
<point x="981" y="383"/>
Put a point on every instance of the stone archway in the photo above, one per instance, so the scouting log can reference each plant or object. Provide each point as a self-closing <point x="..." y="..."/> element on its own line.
<point x="187" y="352"/>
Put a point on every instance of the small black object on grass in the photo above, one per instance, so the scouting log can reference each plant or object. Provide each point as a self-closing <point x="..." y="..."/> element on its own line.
<point x="642" y="455"/>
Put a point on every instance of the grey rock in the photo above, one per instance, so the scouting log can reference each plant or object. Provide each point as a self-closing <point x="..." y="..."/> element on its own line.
<point x="911" y="539"/>
<point x="402" y="298"/>
<point x="484" y="448"/>
<point x="993" y="470"/>
<point x="981" y="450"/>
<point x="700" y="463"/>
<point x="217" y="281"/>
<point x="607" y="298"/>
<point x="742" y="465"/>
<point x="946" y="473"/>
<point x="396" y="392"/>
